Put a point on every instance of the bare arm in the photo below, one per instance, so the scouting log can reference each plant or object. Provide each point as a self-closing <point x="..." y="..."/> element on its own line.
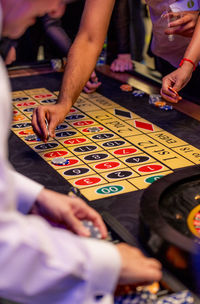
<point x="81" y="61"/>
<point x="86" y="48"/>
<point x="180" y="77"/>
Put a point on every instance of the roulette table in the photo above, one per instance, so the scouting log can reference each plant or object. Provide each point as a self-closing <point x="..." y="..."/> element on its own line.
<point x="116" y="146"/>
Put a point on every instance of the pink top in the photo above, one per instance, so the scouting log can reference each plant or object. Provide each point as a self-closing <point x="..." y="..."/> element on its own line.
<point x="171" y="51"/>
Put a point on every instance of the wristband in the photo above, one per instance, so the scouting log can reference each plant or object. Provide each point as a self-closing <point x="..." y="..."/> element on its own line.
<point x="189" y="60"/>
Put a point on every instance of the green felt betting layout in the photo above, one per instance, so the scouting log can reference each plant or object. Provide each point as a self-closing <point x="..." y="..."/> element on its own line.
<point x="108" y="150"/>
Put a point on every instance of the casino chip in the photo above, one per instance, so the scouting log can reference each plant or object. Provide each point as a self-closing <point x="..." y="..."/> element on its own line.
<point x="138" y="93"/>
<point x="166" y="108"/>
<point x="94" y="129"/>
<point x="154" y="98"/>
<point x="126" y="87"/>
<point x="56" y="64"/>
<point x="32" y="137"/>
<point x="60" y="161"/>
<point x="182" y="297"/>
<point x="94" y="231"/>
<point x="160" y="104"/>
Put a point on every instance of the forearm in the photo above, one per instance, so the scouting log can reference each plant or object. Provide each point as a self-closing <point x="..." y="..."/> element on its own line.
<point x="30" y="246"/>
<point x="85" y="49"/>
<point x="193" y="50"/>
<point x="26" y="191"/>
<point x="80" y="64"/>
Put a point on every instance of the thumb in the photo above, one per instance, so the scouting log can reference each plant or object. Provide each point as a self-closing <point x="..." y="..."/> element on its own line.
<point x="76" y="225"/>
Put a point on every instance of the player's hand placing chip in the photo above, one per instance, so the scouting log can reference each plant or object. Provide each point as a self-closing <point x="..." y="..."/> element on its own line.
<point x="46" y="118"/>
<point x="175" y="81"/>
<point x="68" y="210"/>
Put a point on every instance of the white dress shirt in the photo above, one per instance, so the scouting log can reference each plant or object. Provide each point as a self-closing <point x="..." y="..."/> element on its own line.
<point x="40" y="264"/>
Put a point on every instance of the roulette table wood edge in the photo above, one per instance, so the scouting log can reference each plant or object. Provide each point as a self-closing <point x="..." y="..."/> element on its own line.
<point x="185" y="106"/>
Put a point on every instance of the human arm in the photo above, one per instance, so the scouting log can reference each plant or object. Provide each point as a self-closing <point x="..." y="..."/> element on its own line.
<point x="41" y="264"/>
<point x="58" y="208"/>
<point x="80" y="64"/>
<point x="122" y="63"/>
<point x="181" y="76"/>
<point x="121" y="21"/>
<point x="56" y="34"/>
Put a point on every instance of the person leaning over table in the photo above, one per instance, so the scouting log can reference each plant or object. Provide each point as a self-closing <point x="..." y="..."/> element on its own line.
<point x="82" y="58"/>
<point x="88" y="44"/>
<point x="39" y="263"/>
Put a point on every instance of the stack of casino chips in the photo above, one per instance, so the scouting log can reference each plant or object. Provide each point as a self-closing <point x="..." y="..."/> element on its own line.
<point x="146" y="297"/>
<point x="156" y="100"/>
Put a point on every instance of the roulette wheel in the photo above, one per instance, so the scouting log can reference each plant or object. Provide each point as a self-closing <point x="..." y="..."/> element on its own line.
<point x="170" y="223"/>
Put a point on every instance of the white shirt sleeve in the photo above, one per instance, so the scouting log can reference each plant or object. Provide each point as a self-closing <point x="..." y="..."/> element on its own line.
<point x="40" y="264"/>
<point x="26" y="190"/>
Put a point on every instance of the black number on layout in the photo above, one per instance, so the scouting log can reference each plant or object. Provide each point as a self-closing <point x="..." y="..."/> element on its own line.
<point x="85" y="148"/>
<point x="76" y="171"/>
<point x="65" y="134"/>
<point x="75" y="116"/>
<point x="22" y="125"/>
<point x="46" y="146"/>
<point x="29" y="110"/>
<point x="96" y="156"/>
<point x="49" y="100"/>
<point x="137" y="159"/>
<point x="103" y="136"/>
<point x="113" y="143"/>
<point x="119" y="174"/>
<point x="20" y="99"/>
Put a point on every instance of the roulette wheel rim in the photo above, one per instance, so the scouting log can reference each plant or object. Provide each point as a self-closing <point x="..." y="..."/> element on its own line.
<point x="150" y="213"/>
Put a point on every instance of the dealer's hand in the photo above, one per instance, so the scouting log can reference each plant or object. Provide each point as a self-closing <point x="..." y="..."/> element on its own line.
<point x="176" y="80"/>
<point x="136" y="268"/>
<point x="93" y="84"/>
<point x="122" y="63"/>
<point x="68" y="210"/>
<point x="184" y="24"/>
<point x="54" y="114"/>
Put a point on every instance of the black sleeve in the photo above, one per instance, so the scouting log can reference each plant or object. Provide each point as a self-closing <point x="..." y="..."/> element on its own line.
<point x="56" y="34"/>
<point x="5" y="45"/>
<point x="122" y="20"/>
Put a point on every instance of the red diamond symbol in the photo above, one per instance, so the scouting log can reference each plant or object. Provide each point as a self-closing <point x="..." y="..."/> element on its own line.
<point x="143" y="125"/>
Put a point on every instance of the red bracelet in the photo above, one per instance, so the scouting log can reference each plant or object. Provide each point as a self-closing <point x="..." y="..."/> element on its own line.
<point x="186" y="59"/>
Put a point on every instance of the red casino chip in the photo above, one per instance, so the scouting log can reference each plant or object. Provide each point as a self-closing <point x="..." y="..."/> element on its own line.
<point x="126" y="87"/>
